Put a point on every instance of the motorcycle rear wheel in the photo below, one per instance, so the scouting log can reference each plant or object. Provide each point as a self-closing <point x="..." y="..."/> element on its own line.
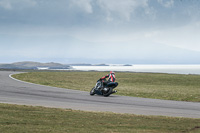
<point x="107" y="93"/>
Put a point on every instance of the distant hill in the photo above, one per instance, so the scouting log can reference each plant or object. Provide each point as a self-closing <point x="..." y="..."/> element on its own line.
<point x="83" y="64"/>
<point x="33" y="65"/>
<point x="100" y="65"/>
<point x="127" y="65"/>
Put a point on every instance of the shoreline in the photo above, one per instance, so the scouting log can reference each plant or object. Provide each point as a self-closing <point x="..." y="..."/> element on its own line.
<point x="168" y="69"/>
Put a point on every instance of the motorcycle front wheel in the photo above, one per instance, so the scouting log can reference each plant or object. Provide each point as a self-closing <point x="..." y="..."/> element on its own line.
<point x="92" y="92"/>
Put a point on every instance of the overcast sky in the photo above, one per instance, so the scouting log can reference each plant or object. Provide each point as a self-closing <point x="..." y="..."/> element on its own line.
<point x="100" y="31"/>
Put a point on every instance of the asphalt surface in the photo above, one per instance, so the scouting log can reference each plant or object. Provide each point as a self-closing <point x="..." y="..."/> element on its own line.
<point x="22" y="93"/>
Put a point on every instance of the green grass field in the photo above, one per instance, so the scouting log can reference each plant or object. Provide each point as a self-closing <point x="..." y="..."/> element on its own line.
<point x="148" y="85"/>
<point x="19" y="119"/>
<point x="28" y="119"/>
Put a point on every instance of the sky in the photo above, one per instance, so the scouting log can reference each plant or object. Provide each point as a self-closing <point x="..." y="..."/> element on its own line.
<point x="100" y="31"/>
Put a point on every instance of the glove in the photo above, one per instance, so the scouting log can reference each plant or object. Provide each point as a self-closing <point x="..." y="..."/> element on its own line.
<point x="99" y="80"/>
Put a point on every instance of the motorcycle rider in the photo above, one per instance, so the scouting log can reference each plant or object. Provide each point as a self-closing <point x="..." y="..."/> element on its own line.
<point x="111" y="80"/>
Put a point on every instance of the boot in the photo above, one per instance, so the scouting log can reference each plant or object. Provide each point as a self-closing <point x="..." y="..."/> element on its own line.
<point x="115" y="91"/>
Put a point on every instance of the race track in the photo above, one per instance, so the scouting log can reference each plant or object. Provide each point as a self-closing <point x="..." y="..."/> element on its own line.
<point x="17" y="92"/>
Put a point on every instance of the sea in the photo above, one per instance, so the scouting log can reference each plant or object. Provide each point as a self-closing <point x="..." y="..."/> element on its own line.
<point x="172" y="69"/>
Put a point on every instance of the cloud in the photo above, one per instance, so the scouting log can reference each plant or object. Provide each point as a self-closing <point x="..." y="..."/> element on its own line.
<point x="166" y="3"/>
<point x="5" y="4"/>
<point x="81" y="28"/>
<point x="123" y="9"/>
<point x="186" y="37"/>
<point x="13" y="4"/>
<point x="111" y="10"/>
<point x="84" y="5"/>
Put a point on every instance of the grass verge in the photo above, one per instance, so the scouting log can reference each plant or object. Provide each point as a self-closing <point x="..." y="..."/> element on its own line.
<point x="149" y="85"/>
<point x="19" y="119"/>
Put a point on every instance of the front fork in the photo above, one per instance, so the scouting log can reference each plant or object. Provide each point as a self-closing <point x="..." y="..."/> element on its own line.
<point x="98" y="85"/>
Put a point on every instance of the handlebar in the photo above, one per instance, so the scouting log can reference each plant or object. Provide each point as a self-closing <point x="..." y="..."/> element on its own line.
<point x="101" y="80"/>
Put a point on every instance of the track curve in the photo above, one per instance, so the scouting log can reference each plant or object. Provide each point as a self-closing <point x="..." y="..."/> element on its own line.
<point x="17" y="92"/>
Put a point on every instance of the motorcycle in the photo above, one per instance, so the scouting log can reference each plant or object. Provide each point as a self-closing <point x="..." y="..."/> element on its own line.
<point x="105" y="90"/>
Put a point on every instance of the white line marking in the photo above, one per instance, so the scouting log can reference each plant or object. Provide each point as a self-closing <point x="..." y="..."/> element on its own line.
<point x="28" y="82"/>
<point x="38" y="84"/>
